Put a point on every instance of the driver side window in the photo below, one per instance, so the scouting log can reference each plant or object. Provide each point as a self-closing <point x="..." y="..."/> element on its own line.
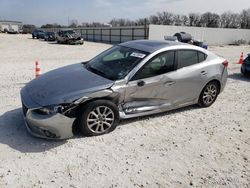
<point x="160" y="64"/>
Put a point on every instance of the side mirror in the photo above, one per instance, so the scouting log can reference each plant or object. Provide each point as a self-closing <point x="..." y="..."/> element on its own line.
<point x="141" y="83"/>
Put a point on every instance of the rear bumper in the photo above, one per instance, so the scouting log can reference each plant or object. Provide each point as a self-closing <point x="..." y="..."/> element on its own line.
<point x="224" y="79"/>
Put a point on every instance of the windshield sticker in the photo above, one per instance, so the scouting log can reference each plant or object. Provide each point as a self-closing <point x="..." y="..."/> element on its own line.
<point x="139" y="55"/>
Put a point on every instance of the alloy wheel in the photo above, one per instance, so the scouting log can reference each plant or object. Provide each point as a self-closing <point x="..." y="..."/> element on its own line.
<point x="100" y="119"/>
<point x="209" y="94"/>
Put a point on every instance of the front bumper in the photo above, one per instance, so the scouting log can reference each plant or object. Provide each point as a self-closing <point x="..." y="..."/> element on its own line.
<point x="76" y="41"/>
<point x="56" y="126"/>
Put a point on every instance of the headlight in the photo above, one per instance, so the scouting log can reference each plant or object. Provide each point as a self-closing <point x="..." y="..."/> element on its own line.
<point x="49" y="110"/>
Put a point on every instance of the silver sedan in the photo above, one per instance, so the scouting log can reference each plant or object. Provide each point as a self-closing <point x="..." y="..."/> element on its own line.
<point x="132" y="79"/>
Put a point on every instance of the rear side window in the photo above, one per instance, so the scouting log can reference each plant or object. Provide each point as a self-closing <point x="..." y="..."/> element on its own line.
<point x="187" y="58"/>
<point x="202" y="57"/>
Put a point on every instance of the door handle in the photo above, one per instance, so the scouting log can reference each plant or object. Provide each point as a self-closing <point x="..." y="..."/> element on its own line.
<point x="169" y="83"/>
<point x="141" y="83"/>
<point x="203" y="73"/>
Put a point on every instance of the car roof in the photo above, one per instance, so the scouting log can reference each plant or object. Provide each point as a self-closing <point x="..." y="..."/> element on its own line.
<point x="150" y="46"/>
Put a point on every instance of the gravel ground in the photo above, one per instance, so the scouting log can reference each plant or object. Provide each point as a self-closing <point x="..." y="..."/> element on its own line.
<point x="190" y="147"/>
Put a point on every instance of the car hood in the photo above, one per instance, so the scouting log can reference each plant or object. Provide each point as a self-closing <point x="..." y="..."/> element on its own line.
<point x="73" y="36"/>
<point x="65" y="85"/>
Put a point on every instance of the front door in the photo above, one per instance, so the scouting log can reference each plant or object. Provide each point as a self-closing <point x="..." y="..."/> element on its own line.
<point x="152" y="87"/>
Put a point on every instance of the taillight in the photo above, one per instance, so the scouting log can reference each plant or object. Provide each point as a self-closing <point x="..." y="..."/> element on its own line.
<point x="225" y="63"/>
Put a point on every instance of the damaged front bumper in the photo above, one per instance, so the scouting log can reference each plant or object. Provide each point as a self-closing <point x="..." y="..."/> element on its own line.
<point x="76" y="41"/>
<point x="56" y="126"/>
<point x="51" y="126"/>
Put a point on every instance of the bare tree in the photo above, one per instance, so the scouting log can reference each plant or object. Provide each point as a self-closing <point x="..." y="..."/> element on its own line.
<point x="209" y="19"/>
<point x="177" y="19"/>
<point x="245" y="19"/>
<point x="230" y="20"/>
<point x="194" y="19"/>
<point x="154" y="19"/>
<point x="185" y="20"/>
<point x="165" y="18"/>
<point x="122" y="22"/>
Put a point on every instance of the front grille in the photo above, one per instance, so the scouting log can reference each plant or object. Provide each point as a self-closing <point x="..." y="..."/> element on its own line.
<point x="25" y="109"/>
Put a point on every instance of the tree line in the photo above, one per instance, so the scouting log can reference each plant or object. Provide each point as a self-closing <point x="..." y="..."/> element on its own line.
<point x="225" y="20"/>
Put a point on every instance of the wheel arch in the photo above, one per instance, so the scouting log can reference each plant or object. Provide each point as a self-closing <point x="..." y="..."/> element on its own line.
<point x="217" y="81"/>
<point x="114" y="98"/>
<point x="211" y="80"/>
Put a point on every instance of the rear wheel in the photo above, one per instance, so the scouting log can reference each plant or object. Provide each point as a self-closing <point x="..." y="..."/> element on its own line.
<point x="98" y="117"/>
<point x="209" y="94"/>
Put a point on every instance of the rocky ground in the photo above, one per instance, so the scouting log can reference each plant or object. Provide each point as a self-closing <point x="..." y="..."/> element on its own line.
<point x="189" y="147"/>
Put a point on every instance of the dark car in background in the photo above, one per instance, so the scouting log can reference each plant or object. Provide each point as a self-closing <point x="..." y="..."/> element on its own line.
<point x="69" y="36"/>
<point x="245" y="67"/>
<point x="38" y="33"/>
<point x="41" y="35"/>
<point x="50" y="36"/>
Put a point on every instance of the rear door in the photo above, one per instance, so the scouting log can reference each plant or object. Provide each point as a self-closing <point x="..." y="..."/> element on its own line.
<point x="191" y="75"/>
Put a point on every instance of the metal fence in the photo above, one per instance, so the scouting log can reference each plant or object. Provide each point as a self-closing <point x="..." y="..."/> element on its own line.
<point x="112" y="35"/>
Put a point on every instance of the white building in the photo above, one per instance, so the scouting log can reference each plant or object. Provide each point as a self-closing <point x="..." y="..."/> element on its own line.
<point x="13" y="26"/>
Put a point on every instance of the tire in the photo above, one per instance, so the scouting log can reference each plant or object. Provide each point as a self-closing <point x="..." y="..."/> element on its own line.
<point x="209" y="94"/>
<point x="98" y="118"/>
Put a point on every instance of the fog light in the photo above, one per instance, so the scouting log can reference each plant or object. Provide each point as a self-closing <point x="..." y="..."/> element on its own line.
<point x="49" y="134"/>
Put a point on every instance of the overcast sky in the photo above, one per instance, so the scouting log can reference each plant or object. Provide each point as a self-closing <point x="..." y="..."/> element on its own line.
<point x="39" y="12"/>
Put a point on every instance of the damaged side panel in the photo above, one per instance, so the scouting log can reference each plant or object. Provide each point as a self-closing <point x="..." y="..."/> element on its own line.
<point x="108" y="93"/>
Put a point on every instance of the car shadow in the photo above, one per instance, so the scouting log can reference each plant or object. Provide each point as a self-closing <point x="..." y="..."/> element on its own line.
<point x="51" y="42"/>
<point x="183" y="109"/>
<point x="13" y="133"/>
<point x="239" y="76"/>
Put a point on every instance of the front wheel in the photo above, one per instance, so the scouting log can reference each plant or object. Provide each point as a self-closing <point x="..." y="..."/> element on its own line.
<point x="98" y="118"/>
<point x="209" y="94"/>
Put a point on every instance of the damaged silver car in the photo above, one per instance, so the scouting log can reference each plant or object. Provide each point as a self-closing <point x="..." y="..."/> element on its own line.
<point x="132" y="79"/>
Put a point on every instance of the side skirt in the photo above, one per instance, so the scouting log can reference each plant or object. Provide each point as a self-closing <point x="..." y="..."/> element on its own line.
<point x="150" y="110"/>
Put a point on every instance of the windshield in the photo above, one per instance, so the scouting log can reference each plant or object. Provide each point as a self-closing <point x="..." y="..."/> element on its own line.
<point x="116" y="62"/>
<point x="69" y="32"/>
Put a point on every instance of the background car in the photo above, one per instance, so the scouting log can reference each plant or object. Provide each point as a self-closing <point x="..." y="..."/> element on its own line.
<point x="41" y="35"/>
<point x="69" y="36"/>
<point x="38" y="33"/>
<point x="12" y="31"/>
<point x="245" y="67"/>
<point x="132" y="79"/>
<point x="50" y="36"/>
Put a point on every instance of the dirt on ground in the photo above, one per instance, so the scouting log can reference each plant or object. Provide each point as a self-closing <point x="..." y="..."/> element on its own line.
<point x="189" y="147"/>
